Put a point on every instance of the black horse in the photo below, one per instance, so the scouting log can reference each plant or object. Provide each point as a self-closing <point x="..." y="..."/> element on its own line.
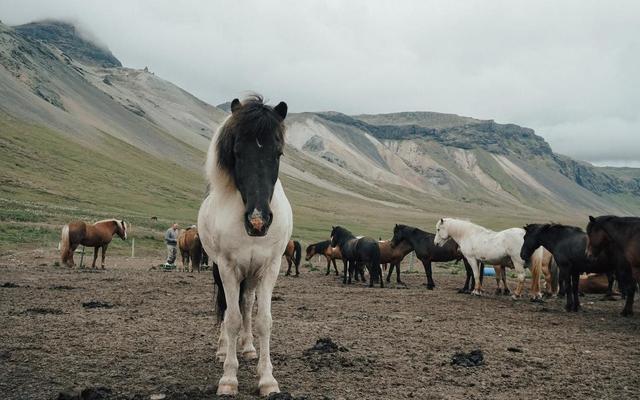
<point x="618" y="238"/>
<point x="357" y="252"/>
<point x="568" y="244"/>
<point x="427" y="252"/>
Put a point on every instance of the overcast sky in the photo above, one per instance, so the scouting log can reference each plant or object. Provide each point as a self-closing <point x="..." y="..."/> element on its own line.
<point x="568" y="69"/>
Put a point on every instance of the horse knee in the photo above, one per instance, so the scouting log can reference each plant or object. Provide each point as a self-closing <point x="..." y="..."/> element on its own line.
<point x="263" y="324"/>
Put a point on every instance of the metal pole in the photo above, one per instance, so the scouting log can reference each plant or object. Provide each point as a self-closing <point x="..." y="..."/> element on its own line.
<point x="133" y="248"/>
<point x="411" y="260"/>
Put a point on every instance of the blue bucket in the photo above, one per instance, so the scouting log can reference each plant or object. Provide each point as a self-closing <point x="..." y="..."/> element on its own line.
<point x="489" y="271"/>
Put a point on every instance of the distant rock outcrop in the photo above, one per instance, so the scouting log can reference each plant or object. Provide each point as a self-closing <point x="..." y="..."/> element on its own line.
<point x="66" y="37"/>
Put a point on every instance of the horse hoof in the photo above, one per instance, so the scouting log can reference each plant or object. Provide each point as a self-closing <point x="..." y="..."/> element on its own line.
<point x="476" y="293"/>
<point x="515" y="297"/>
<point x="626" y="313"/>
<point x="430" y="287"/>
<point x="506" y="292"/>
<point x="227" y="389"/>
<point x="250" y="355"/>
<point x="268" y="388"/>
<point x="498" y="292"/>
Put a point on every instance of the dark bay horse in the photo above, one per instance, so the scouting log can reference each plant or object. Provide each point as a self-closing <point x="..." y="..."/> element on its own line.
<point x="618" y="238"/>
<point x="330" y="253"/>
<point x="568" y="245"/>
<point x="191" y="249"/>
<point x="393" y="255"/>
<point x="292" y="254"/>
<point x="357" y="251"/>
<point x="96" y="235"/>
<point x="427" y="251"/>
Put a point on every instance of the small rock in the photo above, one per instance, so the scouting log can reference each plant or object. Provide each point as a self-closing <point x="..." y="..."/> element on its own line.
<point x="514" y="349"/>
<point x="157" y="396"/>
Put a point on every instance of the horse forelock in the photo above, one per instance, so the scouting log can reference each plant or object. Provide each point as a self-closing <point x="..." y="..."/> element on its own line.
<point x="254" y="120"/>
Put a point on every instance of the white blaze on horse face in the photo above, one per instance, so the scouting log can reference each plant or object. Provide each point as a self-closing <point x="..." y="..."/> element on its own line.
<point x="258" y="143"/>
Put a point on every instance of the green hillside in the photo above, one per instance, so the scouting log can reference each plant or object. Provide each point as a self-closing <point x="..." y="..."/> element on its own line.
<point x="47" y="180"/>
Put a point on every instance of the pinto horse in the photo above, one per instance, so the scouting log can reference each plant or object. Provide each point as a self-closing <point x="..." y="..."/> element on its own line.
<point x="245" y="223"/>
<point x="618" y="238"/>
<point x="479" y="244"/>
<point x="191" y="249"/>
<point x="324" y="248"/>
<point x="568" y="245"/>
<point x="96" y="235"/>
<point x="292" y="254"/>
<point x="357" y="251"/>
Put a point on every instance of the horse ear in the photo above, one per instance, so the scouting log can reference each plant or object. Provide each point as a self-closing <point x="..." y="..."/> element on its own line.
<point x="235" y="105"/>
<point x="591" y="218"/>
<point x="442" y="220"/>
<point x="281" y="109"/>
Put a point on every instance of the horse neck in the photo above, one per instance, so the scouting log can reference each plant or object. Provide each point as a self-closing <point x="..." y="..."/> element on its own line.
<point x="459" y="229"/>
<point x="108" y="226"/>
<point x="404" y="247"/>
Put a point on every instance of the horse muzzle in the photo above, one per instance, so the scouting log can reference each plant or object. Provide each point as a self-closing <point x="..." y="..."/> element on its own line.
<point x="257" y="223"/>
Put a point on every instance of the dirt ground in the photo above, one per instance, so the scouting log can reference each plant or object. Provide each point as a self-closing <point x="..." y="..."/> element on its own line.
<point x="144" y="334"/>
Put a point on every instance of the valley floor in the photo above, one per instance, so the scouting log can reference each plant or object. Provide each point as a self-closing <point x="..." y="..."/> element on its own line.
<point x="159" y="338"/>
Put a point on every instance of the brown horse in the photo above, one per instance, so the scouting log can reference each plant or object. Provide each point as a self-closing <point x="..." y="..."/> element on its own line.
<point x="330" y="253"/>
<point x="393" y="255"/>
<point x="98" y="236"/>
<point x="292" y="254"/>
<point x="191" y="249"/>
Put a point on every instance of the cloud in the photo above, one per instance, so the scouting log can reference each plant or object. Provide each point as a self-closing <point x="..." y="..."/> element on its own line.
<point x="567" y="69"/>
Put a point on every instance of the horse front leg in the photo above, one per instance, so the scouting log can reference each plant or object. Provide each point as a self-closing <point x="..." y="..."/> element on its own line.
<point x="426" y="263"/>
<point x="333" y="260"/>
<point x="575" y="291"/>
<point x="610" y="280"/>
<point x="95" y="256"/>
<point x="267" y="383"/>
<point x="498" y="270"/>
<point x="398" y="281"/>
<point x="329" y="266"/>
<point x="468" y="278"/>
<point x="536" y="269"/>
<point x="477" y="288"/>
<point x="228" y="384"/>
<point x="344" y="278"/>
<point x="628" y="282"/>
<point x="246" y="334"/>
<point x="521" y="278"/>
<point x="390" y="271"/>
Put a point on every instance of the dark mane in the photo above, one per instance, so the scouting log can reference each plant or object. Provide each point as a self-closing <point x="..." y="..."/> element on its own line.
<point x="253" y="118"/>
<point x="552" y="226"/>
<point x="320" y="246"/>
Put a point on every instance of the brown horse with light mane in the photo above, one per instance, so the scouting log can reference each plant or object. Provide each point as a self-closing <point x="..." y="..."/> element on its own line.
<point x="96" y="235"/>
<point x="293" y="253"/>
<point x="330" y="253"/>
<point x="541" y="263"/>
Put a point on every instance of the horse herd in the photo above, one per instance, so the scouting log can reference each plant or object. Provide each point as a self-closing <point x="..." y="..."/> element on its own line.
<point x="245" y="225"/>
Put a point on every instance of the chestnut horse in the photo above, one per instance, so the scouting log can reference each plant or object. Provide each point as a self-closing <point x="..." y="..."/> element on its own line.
<point x="330" y="253"/>
<point x="393" y="255"/>
<point x="98" y="236"/>
<point x="191" y="249"/>
<point x="292" y="254"/>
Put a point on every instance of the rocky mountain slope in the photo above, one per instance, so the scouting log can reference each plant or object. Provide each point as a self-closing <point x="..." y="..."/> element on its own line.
<point x="364" y="171"/>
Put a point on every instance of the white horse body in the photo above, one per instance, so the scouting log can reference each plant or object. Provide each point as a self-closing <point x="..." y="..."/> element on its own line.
<point x="480" y="244"/>
<point x="250" y="262"/>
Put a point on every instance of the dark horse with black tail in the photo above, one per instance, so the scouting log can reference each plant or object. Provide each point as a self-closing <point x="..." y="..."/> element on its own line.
<point x="324" y="248"/>
<point x="357" y="251"/>
<point x="568" y="245"/>
<point x="618" y="238"/>
<point x="427" y="252"/>
<point x="293" y="254"/>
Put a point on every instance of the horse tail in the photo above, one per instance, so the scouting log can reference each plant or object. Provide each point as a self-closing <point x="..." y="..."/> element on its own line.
<point x="65" y="244"/>
<point x="297" y="252"/>
<point x="375" y="262"/>
<point x="221" y="300"/>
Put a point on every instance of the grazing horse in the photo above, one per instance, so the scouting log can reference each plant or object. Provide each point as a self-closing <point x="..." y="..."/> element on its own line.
<point x="393" y="254"/>
<point x="423" y="243"/>
<point x="191" y="249"/>
<point x="357" y="251"/>
<point x="481" y="244"/>
<point x="330" y="253"/>
<point x="618" y="238"/>
<point x="98" y="236"/>
<point x="568" y="245"/>
<point x="292" y="254"/>
<point x="245" y="223"/>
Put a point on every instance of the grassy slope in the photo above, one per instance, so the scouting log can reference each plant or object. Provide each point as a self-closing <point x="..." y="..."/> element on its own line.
<point x="46" y="180"/>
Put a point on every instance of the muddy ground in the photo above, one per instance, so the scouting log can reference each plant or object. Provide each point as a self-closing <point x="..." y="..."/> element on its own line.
<point x="144" y="333"/>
